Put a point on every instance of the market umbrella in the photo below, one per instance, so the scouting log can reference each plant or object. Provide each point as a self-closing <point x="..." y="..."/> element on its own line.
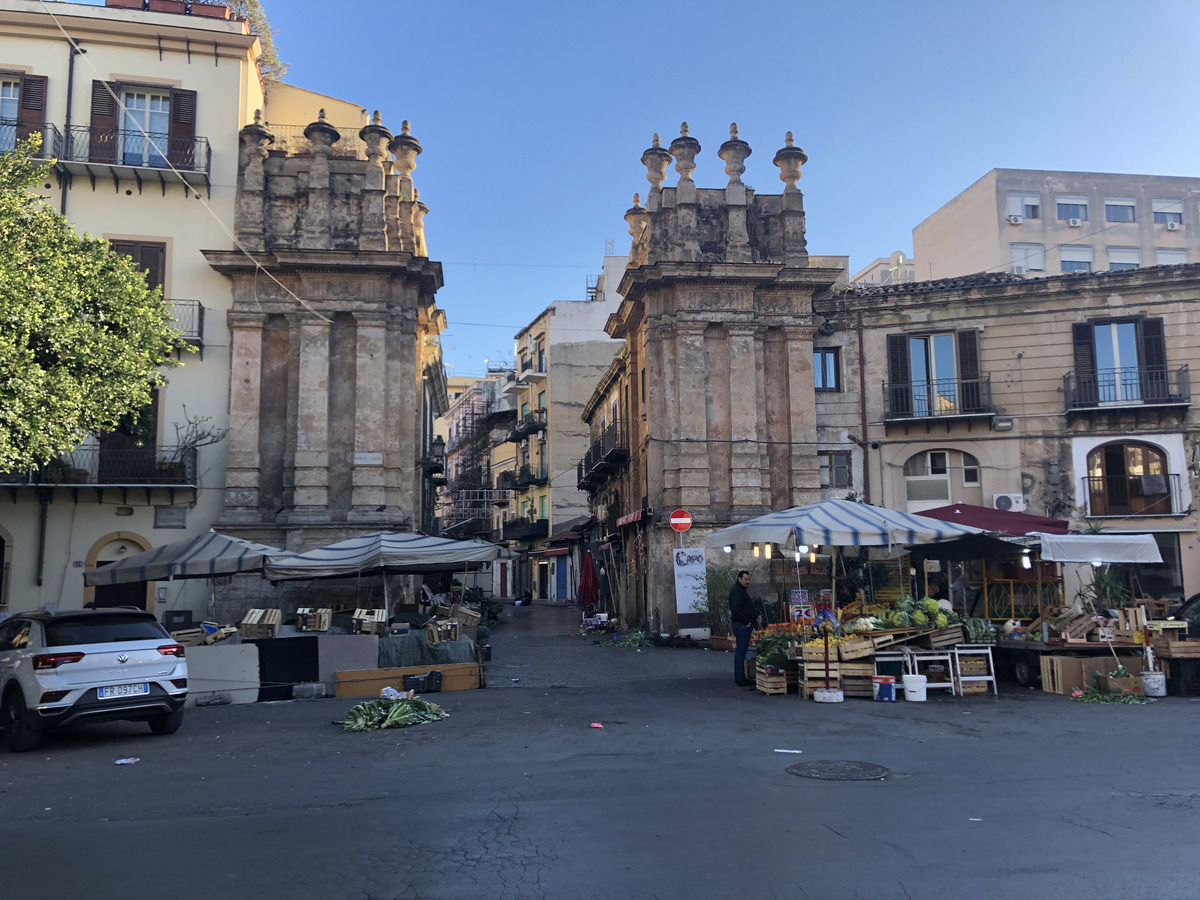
<point x="589" y="584"/>
<point x="203" y="556"/>
<point x="997" y="521"/>
<point x="384" y="551"/>
<point x="840" y="523"/>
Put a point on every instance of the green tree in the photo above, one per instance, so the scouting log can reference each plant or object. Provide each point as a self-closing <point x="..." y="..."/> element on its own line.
<point x="82" y="336"/>
<point x="269" y="65"/>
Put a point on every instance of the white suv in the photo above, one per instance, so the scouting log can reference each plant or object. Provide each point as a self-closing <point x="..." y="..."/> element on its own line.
<point x="87" y="665"/>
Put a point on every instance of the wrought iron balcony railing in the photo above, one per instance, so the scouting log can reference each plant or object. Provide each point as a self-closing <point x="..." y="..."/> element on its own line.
<point x="938" y="398"/>
<point x="132" y="148"/>
<point x="1127" y="386"/>
<point x="522" y="529"/>
<point x="189" y="319"/>
<point x="98" y="466"/>
<point x="12" y="131"/>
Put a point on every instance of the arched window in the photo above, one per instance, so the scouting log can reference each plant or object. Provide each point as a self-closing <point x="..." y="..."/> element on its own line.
<point x="932" y="477"/>
<point x="1126" y="479"/>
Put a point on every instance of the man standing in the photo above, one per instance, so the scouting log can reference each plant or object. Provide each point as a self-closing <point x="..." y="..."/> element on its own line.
<point x="744" y="619"/>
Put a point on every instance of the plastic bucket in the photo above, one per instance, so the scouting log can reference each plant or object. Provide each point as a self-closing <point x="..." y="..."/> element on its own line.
<point x="914" y="687"/>
<point x="1154" y="684"/>
<point x="883" y="688"/>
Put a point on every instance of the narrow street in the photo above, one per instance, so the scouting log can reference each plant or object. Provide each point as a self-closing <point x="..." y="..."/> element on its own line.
<point x="682" y="793"/>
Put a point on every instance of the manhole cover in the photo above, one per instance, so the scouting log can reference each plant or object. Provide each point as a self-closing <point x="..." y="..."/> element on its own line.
<point x="839" y="770"/>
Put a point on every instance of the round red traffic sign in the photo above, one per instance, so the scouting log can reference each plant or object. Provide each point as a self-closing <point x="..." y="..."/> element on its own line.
<point x="681" y="520"/>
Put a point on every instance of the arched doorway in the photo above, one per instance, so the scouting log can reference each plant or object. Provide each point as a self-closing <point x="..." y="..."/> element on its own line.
<point x="1128" y="478"/>
<point x="110" y="549"/>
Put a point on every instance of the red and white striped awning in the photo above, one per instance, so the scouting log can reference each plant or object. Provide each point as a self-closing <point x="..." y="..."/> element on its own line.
<point x="635" y="516"/>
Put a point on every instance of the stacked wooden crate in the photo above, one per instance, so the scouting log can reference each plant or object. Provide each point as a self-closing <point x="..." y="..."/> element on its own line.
<point x="817" y="674"/>
<point x="260" y="623"/>
<point x="312" y="619"/>
<point x="368" y="621"/>
<point x="770" y="680"/>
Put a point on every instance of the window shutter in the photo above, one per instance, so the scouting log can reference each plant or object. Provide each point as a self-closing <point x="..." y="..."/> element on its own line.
<point x="102" y="143"/>
<point x="1086" y="383"/>
<point x="970" y="393"/>
<point x="900" y="395"/>
<point x="181" y="142"/>
<point x="150" y="257"/>
<point x="1153" y="364"/>
<point x="32" y="112"/>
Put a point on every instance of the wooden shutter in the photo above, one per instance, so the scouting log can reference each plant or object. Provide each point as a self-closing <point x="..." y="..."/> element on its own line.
<point x="970" y="391"/>
<point x="31" y="114"/>
<point x="181" y="141"/>
<point x="900" y="398"/>
<point x="102" y="143"/>
<point x="147" y="257"/>
<point x="1087" y="387"/>
<point x="1152" y="366"/>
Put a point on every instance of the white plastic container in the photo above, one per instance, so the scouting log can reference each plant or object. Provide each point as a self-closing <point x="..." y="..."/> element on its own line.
<point x="914" y="687"/>
<point x="1154" y="684"/>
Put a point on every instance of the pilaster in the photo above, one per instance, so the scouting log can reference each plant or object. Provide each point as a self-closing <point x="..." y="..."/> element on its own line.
<point x="242" y="466"/>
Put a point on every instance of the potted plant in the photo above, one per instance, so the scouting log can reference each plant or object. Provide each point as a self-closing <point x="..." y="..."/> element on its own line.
<point x="714" y="607"/>
<point x="194" y="432"/>
<point x="211" y="10"/>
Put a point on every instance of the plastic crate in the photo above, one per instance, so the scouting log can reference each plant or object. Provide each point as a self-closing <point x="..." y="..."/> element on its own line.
<point x="1184" y="680"/>
<point x="433" y="682"/>
<point x="417" y="682"/>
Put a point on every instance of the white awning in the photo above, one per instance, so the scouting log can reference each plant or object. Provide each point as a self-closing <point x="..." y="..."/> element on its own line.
<point x="1100" y="548"/>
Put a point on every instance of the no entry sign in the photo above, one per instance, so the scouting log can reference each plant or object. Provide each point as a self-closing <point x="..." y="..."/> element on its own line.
<point x="681" y="520"/>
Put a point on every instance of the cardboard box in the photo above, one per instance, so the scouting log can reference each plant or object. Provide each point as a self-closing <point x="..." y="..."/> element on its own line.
<point x="369" y="682"/>
<point x="1122" y="687"/>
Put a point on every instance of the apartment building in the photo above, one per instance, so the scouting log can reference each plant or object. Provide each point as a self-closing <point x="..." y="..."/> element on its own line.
<point x="1067" y="396"/>
<point x="1034" y="222"/>
<point x="165" y="139"/>
<point x="559" y="357"/>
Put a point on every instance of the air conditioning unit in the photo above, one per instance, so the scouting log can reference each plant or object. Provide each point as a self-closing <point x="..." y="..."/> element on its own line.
<point x="525" y="444"/>
<point x="1074" y="223"/>
<point x="1015" y="220"/>
<point x="1009" y="502"/>
<point x="542" y="436"/>
<point x="1019" y="270"/>
<point x="1172" y="226"/>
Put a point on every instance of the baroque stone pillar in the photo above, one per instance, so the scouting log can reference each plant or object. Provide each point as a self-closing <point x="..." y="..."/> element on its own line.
<point x="248" y="215"/>
<point x="735" y="151"/>
<point x="322" y="136"/>
<point x="310" y="499"/>
<point x="368" y="502"/>
<point x="747" y="416"/>
<point x="245" y="386"/>
<point x="684" y="148"/>
<point x="406" y="149"/>
<point x="373" y="234"/>
<point x="789" y="159"/>
<point x="691" y="378"/>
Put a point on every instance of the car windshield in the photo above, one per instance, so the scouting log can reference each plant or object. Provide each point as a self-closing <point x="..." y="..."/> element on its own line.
<point x="102" y="629"/>
<point x="1189" y="610"/>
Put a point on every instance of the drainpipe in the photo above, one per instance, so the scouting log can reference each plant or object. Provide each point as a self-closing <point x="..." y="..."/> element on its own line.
<point x="43" y="515"/>
<point x="862" y="408"/>
<point x="74" y="50"/>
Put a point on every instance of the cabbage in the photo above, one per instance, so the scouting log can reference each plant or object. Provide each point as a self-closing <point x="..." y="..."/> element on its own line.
<point x="930" y="606"/>
<point x="920" y="618"/>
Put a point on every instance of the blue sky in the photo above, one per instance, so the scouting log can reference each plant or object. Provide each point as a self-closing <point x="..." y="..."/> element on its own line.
<point x="533" y="115"/>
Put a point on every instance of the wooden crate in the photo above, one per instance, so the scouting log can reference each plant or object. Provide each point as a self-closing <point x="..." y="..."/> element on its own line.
<point x="1130" y="625"/>
<point x="891" y="636"/>
<point x="1061" y="674"/>
<point x="945" y="637"/>
<point x="857" y="686"/>
<point x="857" y="648"/>
<point x="218" y="633"/>
<point x="312" y="619"/>
<point x="260" y="623"/>
<point x="770" y="683"/>
<point x="465" y="616"/>
<point x="857" y="669"/>
<point x="1169" y="649"/>
<point x="369" y="682"/>
<point x="974" y="688"/>
<point x="369" y="621"/>
<point x="189" y="637"/>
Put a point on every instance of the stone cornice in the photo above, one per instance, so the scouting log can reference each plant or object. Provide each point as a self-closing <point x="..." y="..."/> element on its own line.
<point x="329" y="262"/>
<point x="636" y="282"/>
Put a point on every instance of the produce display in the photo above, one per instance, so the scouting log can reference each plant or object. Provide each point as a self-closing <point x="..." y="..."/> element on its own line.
<point x="392" y="712"/>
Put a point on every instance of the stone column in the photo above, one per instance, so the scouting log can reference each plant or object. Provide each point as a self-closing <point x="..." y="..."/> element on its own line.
<point x="691" y="377"/>
<point x="368" y="500"/>
<point x="663" y="417"/>
<point x="805" y="478"/>
<point x="402" y="448"/>
<point x="317" y="216"/>
<point x="746" y="413"/>
<point x="245" y="385"/>
<point x="248" y="215"/>
<point x="373" y="234"/>
<point x="684" y="148"/>
<point x="789" y="159"/>
<point x="735" y="152"/>
<point x="311" y="495"/>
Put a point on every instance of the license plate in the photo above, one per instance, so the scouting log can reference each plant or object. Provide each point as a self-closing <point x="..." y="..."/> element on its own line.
<point x="123" y="690"/>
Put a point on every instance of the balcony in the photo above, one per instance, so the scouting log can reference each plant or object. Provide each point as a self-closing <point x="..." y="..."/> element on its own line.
<point x="1133" y="495"/>
<point x="943" y="398"/>
<point x="120" y="153"/>
<point x="532" y="421"/>
<point x="1134" y="386"/>
<point x="604" y="457"/>
<point x="528" y="475"/>
<point x="101" y="467"/>
<point x="506" y="481"/>
<point x="188" y="316"/>
<point x="522" y="529"/>
<point x="11" y="132"/>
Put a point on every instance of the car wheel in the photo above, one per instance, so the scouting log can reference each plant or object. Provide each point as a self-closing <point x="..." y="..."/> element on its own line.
<point x="1023" y="671"/>
<point x="167" y="723"/>
<point x="20" y="734"/>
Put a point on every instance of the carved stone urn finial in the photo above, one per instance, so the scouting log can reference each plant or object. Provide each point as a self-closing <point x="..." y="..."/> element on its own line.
<point x="376" y="137"/>
<point x="789" y="159"/>
<point x="734" y="152"/>
<point x="321" y="134"/>
<point x="656" y="160"/>
<point x="406" y="148"/>
<point x="637" y="201"/>
<point x="684" y="148"/>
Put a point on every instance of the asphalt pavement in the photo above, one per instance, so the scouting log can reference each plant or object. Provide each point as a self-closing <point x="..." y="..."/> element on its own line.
<point x="682" y="793"/>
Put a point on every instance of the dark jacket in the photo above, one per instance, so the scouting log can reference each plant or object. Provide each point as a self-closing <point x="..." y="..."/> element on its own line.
<point x="741" y="606"/>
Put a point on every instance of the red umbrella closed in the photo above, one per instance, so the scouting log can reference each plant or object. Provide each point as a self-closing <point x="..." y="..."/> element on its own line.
<point x="589" y="584"/>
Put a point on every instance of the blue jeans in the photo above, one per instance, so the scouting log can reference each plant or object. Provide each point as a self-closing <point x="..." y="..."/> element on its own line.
<point x="742" y="634"/>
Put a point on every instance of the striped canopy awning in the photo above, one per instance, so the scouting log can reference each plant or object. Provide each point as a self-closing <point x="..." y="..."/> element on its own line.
<point x="839" y="523"/>
<point x="204" y="556"/>
<point x="383" y="551"/>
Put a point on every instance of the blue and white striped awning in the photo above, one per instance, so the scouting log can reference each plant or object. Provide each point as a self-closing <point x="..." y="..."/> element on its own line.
<point x="204" y="556"/>
<point x="383" y="551"/>
<point x="839" y="523"/>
